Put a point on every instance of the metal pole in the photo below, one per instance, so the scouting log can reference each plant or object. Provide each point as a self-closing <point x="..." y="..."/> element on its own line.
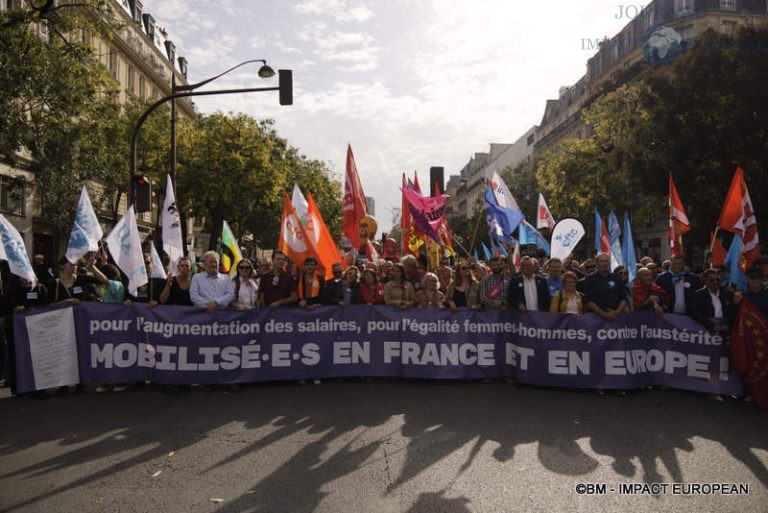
<point x="173" y="134"/>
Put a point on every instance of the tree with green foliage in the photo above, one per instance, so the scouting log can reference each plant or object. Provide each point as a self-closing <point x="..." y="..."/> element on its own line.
<point x="236" y="168"/>
<point x="698" y="117"/>
<point x="54" y="93"/>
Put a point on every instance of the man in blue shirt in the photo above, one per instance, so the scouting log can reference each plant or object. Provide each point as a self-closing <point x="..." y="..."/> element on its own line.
<point x="210" y="289"/>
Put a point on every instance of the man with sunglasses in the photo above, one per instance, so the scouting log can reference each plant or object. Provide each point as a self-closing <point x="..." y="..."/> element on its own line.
<point x="713" y="305"/>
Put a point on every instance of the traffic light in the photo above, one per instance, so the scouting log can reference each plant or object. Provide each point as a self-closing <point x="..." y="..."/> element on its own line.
<point x="286" y="86"/>
<point x="142" y="194"/>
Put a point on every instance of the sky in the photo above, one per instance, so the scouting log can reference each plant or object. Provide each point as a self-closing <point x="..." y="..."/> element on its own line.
<point x="409" y="84"/>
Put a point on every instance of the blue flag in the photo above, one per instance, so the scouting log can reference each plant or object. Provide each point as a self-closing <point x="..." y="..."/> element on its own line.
<point x="614" y="233"/>
<point x="732" y="260"/>
<point x="501" y="221"/>
<point x="486" y="252"/>
<point x="475" y="254"/>
<point x="628" y="250"/>
<point x="530" y="235"/>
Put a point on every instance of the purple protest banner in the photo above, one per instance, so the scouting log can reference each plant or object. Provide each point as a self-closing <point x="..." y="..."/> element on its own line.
<point x="177" y="345"/>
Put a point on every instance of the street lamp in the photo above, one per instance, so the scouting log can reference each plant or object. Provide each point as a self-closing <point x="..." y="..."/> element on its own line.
<point x="285" y="88"/>
<point x="264" y="72"/>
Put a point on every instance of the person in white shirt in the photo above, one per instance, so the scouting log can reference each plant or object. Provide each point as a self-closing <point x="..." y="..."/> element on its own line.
<point x="211" y="289"/>
<point x="528" y="292"/>
<point x="245" y="288"/>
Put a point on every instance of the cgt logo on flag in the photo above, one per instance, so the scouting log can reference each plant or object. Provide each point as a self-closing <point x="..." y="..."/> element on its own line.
<point x="293" y="235"/>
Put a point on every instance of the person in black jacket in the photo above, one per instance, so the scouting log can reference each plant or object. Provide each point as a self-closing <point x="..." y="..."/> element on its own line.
<point x="333" y="290"/>
<point x="528" y="291"/>
<point x="20" y="296"/>
<point x="603" y="291"/>
<point x="713" y="305"/>
<point x="680" y="285"/>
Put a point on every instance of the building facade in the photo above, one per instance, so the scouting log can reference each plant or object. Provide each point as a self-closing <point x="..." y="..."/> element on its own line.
<point x="617" y="61"/>
<point x="141" y="58"/>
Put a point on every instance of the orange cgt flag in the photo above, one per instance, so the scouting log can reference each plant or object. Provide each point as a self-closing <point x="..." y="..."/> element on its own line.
<point x="320" y="238"/>
<point x="293" y="239"/>
<point x="354" y="202"/>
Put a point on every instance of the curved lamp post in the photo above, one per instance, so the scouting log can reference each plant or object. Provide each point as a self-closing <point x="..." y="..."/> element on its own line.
<point x="285" y="87"/>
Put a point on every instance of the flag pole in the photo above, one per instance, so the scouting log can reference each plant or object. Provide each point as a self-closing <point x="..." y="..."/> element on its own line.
<point x="474" y="235"/>
<point x="712" y="242"/>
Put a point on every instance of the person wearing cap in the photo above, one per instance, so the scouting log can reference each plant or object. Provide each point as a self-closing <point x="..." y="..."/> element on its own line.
<point x="756" y="293"/>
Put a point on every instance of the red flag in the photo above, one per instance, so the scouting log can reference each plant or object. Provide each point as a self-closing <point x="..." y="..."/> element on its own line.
<point x="738" y="217"/>
<point x="678" y="221"/>
<point x="749" y="351"/>
<point x="293" y="240"/>
<point x="605" y="240"/>
<point x="544" y="218"/>
<point x="416" y="182"/>
<point x="321" y="239"/>
<point x="516" y="256"/>
<point x="718" y="251"/>
<point x="354" y="202"/>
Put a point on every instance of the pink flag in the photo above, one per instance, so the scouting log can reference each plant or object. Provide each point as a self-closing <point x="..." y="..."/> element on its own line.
<point x="427" y="213"/>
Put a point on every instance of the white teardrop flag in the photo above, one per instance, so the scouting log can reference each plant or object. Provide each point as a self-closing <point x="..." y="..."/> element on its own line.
<point x="567" y="233"/>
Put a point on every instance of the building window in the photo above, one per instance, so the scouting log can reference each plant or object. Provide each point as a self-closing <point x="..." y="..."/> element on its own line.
<point x="683" y="7"/>
<point x="729" y="27"/>
<point x="42" y="29"/>
<point x="131" y="87"/>
<point x="113" y="68"/>
<point x="530" y="139"/>
<point x="142" y="87"/>
<point x="651" y="17"/>
<point x="12" y="194"/>
<point x="687" y="33"/>
<point x="728" y="4"/>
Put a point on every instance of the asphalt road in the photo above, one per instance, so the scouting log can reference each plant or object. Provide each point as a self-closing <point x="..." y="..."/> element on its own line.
<point x="379" y="446"/>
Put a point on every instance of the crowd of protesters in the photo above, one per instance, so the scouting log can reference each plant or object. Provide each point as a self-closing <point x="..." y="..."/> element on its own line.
<point x="565" y="287"/>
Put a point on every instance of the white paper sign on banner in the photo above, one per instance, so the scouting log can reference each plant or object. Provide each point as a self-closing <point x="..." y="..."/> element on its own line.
<point x="567" y="233"/>
<point x="53" y="348"/>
